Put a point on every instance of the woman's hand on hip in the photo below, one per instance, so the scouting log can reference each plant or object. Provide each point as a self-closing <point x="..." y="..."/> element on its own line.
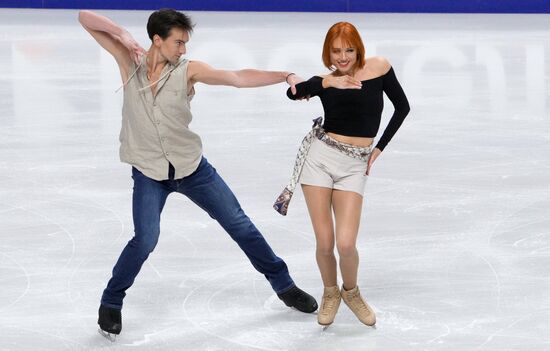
<point x="373" y="156"/>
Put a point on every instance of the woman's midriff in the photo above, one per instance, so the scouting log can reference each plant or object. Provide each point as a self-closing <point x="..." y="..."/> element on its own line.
<point x="356" y="141"/>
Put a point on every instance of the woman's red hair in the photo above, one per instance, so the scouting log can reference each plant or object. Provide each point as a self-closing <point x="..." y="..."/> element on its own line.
<point x="350" y="36"/>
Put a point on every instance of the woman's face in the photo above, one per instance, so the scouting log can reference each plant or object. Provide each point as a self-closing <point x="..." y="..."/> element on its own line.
<point x="342" y="56"/>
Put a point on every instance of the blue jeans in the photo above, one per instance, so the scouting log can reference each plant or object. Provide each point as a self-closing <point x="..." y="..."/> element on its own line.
<point x="208" y="190"/>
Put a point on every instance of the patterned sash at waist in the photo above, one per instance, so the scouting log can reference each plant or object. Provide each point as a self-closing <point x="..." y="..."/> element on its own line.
<point x="361" y="153"/>
<point x="283" y="200"/>
<point x="358" y="152"/>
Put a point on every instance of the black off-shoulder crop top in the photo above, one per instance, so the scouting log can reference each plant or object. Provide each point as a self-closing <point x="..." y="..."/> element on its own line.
<point x="357" y="112"/>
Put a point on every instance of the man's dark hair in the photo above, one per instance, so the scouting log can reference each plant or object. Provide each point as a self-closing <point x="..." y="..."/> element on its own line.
<point x="162" y="21"/>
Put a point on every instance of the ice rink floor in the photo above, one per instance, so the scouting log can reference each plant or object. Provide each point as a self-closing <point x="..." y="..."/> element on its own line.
<point x="455" y="234"/>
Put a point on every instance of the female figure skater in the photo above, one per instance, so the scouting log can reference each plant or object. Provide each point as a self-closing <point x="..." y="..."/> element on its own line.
<point x="341" y="157"/>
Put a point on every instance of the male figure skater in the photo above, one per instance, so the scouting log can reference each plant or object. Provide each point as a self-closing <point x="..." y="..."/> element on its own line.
<point x="166" y="156"/>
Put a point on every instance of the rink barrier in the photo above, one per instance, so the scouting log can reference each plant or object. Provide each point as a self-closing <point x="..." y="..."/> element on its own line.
<point x="404" y="6"/>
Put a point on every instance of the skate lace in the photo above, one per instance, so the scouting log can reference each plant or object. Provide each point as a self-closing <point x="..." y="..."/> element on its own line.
<point x="358" y="302"/>
<point x="328" y="303"/>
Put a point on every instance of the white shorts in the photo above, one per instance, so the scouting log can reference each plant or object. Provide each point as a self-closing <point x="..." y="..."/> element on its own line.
<point x="328" y="167"/>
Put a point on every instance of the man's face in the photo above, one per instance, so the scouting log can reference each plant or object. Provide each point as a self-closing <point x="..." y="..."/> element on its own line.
<point x="173" y="47"/>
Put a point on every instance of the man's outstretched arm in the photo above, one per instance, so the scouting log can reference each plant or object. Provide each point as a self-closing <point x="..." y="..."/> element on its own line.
<point x="246" y="78"/>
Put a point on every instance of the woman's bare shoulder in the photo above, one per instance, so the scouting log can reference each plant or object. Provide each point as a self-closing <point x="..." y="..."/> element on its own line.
<point x="378" y="64"/>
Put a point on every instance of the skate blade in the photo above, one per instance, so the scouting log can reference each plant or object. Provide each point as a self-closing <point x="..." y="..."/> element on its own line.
<point x="108" y="336"/>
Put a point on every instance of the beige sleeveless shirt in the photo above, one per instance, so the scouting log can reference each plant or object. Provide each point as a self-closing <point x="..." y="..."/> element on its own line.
<point x="155" y="129"/>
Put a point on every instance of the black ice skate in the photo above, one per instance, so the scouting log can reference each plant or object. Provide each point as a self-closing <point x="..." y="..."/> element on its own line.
<point x="110" y="322"/>
<point x="299" y="299"/>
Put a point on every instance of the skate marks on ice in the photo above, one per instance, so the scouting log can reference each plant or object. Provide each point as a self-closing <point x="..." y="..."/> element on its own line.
<point x="454" y="243"/>
<point x="239" y="313"/>
<point x="255" y="320"/>
<point x="16" y="276"/>
<point x="32" y="338"/>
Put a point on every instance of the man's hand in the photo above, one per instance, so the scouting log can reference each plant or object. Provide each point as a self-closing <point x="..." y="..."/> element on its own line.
<point x="135" y="50"/>
<point x="292" y="80"/>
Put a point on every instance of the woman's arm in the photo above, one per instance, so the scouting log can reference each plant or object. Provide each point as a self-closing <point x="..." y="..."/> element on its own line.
<point x="316" y="84"/>
<point x="397" y="96"/>
<point x="309" y="88"/>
